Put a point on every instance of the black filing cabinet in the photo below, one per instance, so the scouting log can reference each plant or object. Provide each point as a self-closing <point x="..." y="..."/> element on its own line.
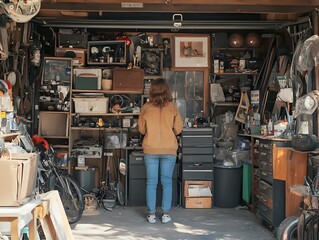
<point x="197" y="155"/>
<point x="137" y="182"/>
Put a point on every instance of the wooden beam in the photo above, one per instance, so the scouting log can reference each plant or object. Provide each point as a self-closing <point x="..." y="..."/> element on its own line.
<point x="313" y="3"/>
<point x="227" y="6"/>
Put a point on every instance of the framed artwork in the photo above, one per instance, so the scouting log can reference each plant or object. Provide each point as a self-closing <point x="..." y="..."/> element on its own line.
<point x="152" y="61"/>
<point x="57" y="70"/>
<point x="191" y="52"/>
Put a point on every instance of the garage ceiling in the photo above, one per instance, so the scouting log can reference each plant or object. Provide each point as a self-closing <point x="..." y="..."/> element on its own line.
<point x="61" y="7"/>
<point x="160" y="13"/>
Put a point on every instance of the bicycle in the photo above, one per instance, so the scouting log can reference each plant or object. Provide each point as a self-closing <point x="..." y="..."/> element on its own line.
<point x="50" y="177"/>
<point x="306" y="226"/>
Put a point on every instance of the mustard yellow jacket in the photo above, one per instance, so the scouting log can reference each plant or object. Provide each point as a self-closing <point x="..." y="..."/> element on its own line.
<point x="160" y="127"/>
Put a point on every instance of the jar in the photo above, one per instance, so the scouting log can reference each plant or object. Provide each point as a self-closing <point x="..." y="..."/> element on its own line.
<point x="304" y="124"/>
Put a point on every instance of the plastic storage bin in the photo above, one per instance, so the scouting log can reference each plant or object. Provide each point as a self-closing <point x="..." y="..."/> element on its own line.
<point x="247" y="176"/>
<point x="91" y="105"/>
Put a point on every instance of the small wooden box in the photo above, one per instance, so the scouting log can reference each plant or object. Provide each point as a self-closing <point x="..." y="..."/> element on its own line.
<point x="79" y="52"/>
<point x="128" y="80"/>
<point x="53" y="123"/>
<point x="107" y="53"/>
<point x="203" y="199"/>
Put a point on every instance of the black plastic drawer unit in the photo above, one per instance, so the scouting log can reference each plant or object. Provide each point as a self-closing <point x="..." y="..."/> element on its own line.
<point x="197" y="155"/>
<point x="137" y="183"/>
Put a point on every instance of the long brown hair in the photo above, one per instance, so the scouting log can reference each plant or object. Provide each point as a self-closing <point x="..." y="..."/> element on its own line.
<point x="160" y="93"/>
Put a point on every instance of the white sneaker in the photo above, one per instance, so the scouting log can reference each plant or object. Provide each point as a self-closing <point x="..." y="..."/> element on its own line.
<point x="151" y="218"/>
<point x="166" y="218"/>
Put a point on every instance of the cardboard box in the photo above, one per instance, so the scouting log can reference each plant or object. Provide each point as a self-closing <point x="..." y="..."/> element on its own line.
<point x="17" y="178"/>
<point x="91" y="105"/>
<point x="197" y="194"/>
<point x="53" y="124"/>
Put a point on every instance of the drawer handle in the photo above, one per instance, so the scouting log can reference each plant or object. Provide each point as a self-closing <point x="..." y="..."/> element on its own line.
<point x="197" y="170"/>
<point x="264" y="209"/>
<point x="197" y="164"/>
<point x="265" y="187"/>
<point x="263" y="173"/>
<point x="263" y="153"/>
<point x="198" y="136"/>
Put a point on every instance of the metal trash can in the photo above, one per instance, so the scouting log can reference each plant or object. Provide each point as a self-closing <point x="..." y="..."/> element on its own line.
<point x="227" y="186"/>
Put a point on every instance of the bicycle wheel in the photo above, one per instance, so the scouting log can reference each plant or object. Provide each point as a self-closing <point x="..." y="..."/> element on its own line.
<point x="71" y="197"/>
<point x="287" y="229"/>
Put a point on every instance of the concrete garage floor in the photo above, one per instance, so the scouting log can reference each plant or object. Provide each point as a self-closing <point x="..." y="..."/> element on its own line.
<point x="188" y="224"/>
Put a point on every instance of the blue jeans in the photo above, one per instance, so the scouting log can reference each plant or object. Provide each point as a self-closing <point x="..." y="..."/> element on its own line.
<point x="166" y="165"/>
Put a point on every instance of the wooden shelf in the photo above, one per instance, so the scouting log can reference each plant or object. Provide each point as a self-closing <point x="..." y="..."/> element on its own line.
<point x="60" y="146"/>
<point x="98" y="129"/>
<point x="59" y="137"/>
<point x="106" y="114"/>
<point x="237" y="49"/>
<point x="55" y="112"/>
<point x="237" y="73"/>
<point x="106" y="91"/>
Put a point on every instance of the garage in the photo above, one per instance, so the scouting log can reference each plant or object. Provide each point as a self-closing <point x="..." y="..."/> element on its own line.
<point x="76" y="77"/>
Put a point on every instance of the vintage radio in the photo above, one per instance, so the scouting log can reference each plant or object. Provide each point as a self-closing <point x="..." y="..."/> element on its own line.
<point x="77" y="54"/>
<point x="73" y="40"/>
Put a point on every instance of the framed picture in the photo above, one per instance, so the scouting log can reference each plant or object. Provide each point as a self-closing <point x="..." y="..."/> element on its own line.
<point x="57" y="70"/>
<point x="152" y="61"/>
<point x="191" y="52"/>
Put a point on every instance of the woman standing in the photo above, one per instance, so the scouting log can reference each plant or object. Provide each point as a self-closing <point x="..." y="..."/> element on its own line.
<point x="159" y="122"/>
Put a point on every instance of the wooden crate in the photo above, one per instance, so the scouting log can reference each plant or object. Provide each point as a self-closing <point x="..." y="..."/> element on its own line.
<point x="199" y="201"/>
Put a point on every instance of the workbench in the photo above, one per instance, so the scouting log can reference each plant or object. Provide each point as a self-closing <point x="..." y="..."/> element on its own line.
<point x="19" y="217"/>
